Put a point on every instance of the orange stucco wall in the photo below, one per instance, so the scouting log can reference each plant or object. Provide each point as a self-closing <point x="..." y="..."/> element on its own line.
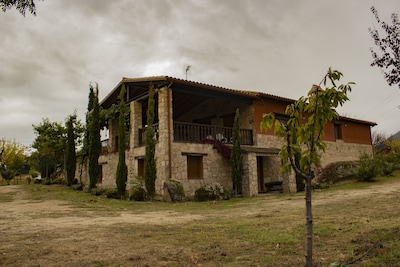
<point x="352" y="131"/>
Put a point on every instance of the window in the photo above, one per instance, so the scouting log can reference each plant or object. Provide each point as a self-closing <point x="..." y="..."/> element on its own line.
<point x="338" y="131"/>
<point x="140" y="170"/>
<point x="283" y="118"/>
<point x="195" y="166"/>
<point x="100" y="177"/>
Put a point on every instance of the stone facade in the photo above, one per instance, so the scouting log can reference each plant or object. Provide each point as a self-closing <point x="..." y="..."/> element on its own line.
<point x="261" y="161"/>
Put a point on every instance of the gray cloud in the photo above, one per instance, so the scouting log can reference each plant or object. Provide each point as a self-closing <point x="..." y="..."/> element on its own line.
<point x="279" y="47"/>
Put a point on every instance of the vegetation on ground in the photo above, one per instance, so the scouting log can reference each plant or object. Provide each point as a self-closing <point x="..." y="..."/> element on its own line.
<point x="354" y="222"/>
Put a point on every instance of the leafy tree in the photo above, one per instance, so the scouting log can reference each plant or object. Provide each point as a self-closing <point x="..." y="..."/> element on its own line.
<point x="50" y="145"/>
<point x="20" y="5"/>
<point x="307" y="118"/>
<point x="236" y="156"/>
<point x="12" y="158"/>
<point x="122" y="169"/>
<point x="150" y="142"/>
<point x="7" y="174"/>
<point x="389" y="46"/>
<point x="12" y="154"/>
<point x="94" y="139"/>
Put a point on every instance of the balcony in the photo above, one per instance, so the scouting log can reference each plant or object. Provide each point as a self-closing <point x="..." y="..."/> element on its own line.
<point x="197" y="133"/>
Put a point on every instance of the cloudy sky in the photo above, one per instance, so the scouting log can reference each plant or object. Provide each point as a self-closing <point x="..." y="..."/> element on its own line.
<point x="277" y="47"/>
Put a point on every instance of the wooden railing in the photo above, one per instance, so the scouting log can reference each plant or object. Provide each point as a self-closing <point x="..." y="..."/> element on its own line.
<point x="142" y="133"/>
<point x="193" y="132"/>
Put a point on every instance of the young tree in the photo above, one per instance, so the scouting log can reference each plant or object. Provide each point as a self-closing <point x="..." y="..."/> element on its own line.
<point x="94" y="139"/>
<point x="20" y="5"/>
<point x="122" y="169"/>
<point x="50" y="144"/>
<point x="307" y="118"/>
<point x="150" y="143"/>
<point x="70" y="152"/>
<point x="389" y="46"/>
<point x="236" y="156"/>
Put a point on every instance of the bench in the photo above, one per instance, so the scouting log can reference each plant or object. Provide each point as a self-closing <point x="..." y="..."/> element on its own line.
<point x="274" y="186"/>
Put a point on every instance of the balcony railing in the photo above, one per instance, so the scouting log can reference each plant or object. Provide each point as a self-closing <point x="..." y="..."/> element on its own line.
<point x="142" y="133"/>
<point x="193" y="132"/>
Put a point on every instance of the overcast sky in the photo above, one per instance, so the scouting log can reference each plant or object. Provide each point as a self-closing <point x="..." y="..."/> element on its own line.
<point x="277" y="47"/>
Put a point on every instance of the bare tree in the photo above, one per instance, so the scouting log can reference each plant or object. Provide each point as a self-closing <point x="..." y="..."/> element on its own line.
<point x="388" y="57"/>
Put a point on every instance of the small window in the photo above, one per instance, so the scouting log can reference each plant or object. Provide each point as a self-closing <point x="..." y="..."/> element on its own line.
<point x="283" y="118"/>
<point x="338" y="131"/>
<point x="140" y="170"/>
<point x="100" y="178"/>
<point x="195" y="167"/>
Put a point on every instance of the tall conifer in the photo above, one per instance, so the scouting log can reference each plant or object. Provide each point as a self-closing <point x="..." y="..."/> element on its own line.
<point x="94" y="141"/>
<point x="70" y="153"/>
<point x="150" y="142"/>
<point x="236" y="156"/>
<point x="122" y="169"/>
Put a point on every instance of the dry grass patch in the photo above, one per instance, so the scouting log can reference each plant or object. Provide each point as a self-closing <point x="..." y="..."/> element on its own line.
<point x="55" y="226"/>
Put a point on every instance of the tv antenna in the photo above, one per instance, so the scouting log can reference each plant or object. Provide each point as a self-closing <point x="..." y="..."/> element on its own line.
<point x="187" y="70"/>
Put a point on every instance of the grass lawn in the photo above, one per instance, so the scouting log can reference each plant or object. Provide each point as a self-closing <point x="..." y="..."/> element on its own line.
<point x="53" y="225"/>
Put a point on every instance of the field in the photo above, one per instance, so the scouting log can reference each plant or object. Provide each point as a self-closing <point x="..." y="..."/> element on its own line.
<point x="354" y="223"/>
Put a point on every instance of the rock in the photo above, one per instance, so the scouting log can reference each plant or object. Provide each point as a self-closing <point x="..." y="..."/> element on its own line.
<point x="173" y="191"/>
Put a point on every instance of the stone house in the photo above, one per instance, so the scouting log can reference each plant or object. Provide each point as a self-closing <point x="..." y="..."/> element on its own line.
<point x="188" y="113"/>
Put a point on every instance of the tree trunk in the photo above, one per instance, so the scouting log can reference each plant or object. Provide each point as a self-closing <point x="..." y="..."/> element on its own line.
<point x="309" y="224"/>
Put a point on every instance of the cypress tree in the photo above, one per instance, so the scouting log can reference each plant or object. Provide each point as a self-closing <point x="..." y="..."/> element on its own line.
<point x="150" y="142"/>
<point x="85" y="148"/>
<point x="94" y="141"/>
<point x="236" y="156"/>
<point x="70" y="153"/>
<point x="122" y="169"/>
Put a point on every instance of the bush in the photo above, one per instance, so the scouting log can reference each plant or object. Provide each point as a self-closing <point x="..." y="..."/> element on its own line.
<point x="97" y="191"/>
<point x="389" y="162"/>
<point x="33" y="173"/>
<point x="212" y="191"/>
<point x="337" y="171"/>
<point x="368" y="168"/>
<point x="138" y="191"/>
<point x="112" y="193"/>
<point x="8" y="175"/>
<point x="46" y="181"/>
<point x="137" y="194"/>
<point x="58" y="181"/>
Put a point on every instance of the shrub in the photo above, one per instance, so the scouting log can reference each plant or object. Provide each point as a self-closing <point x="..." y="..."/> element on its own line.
<point x="212" y="191"/>
<point x="58" y="181"/>
<point x="138" y="191"/>
<point x="389" y="162"/>
<point x="33" y="173"/>
<point x="137" y="194"/>
<point x="337" y="171"/>
<point x="46" y="181"/>
<point x="368" y="168"/>
<point x="112" y="193"/>
<point x="8" y="175"/>
<point x="97" y="191"/>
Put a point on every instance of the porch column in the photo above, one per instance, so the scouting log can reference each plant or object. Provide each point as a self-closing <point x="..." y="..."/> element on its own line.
<point x="136" y="123"/>
<point x="163" y="148"/>
<point x="250" y="179"/>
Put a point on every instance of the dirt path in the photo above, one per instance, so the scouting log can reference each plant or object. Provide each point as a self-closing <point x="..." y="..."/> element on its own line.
<point x="51" y="232"/>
